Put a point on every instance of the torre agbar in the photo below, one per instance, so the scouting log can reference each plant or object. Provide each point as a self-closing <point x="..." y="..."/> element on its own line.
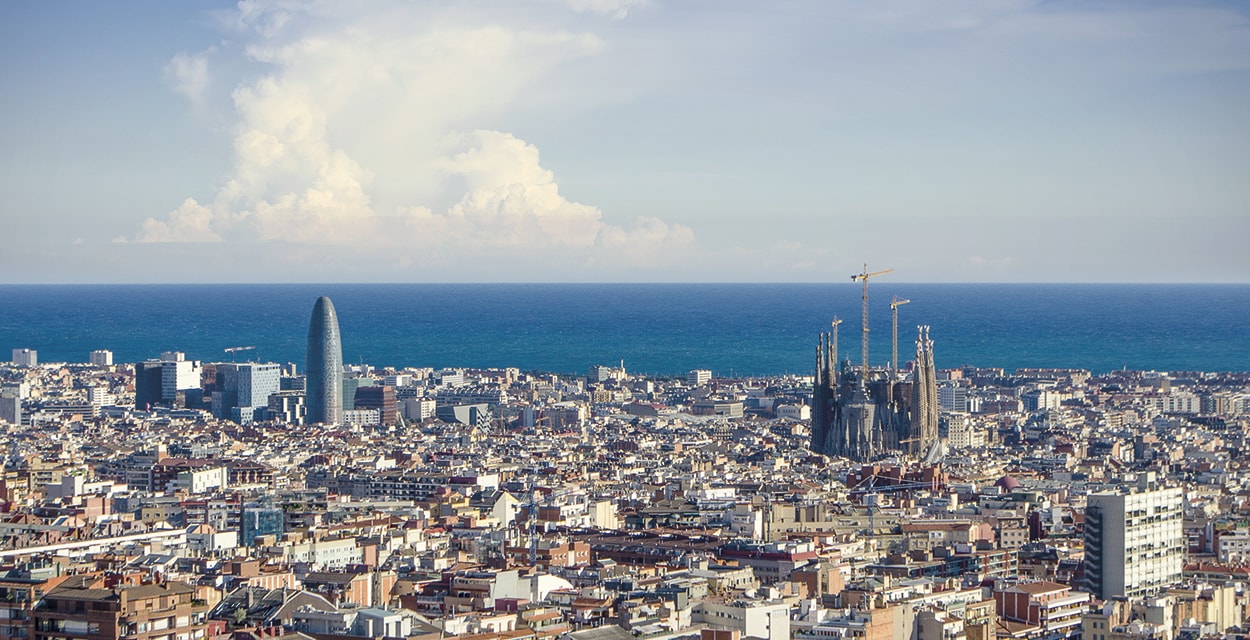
<point x="324" y="365"/>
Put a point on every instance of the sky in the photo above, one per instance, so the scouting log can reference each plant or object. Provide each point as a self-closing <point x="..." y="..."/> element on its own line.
<point x="624" y="141"/>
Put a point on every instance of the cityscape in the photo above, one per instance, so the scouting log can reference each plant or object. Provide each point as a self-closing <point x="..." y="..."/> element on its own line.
<point x="530" y="320"/>
<point x="174" y="499"/>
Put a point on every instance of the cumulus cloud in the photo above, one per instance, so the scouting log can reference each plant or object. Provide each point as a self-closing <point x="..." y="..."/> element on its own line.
<point x="187" y="74"/>
<point x="365" y="130"/>
<point x="190" y="222"/>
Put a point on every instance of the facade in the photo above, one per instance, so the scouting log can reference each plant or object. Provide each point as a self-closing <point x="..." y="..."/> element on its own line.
<point x="147" y="384"/>
<point x="11" y="409"/>
<point x="698" y="377"/>
<point x="324" y="366"/>
<point x="1134" y="540"/>
<point x="724" y="408"/>
<point x="923" y="421"/>
<point x="20" y="592"/>
<point x="603" y="373"/>
<point x="419" y="409"/>
<point x="198" y="481"/>
<point x="25" y="357"/>
<point x="963" y="431"/>
<point x="86" y="609"/>
<point x="243" y="390"/>
<point x="861" y="415"/>
<point x="1041" y="610"/>
<point x="101" y="358"/>
<point x="178" y="377"/>
<point x="287" y="407"/>
<point x="261" y="519"/>
<point x="380" y="399"/>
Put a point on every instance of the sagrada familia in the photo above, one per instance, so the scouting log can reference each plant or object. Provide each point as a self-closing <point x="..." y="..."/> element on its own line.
<point x="864" y="414"/>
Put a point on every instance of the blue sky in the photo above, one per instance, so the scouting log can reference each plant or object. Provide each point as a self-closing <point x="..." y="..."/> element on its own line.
<point x="624" y="140"/>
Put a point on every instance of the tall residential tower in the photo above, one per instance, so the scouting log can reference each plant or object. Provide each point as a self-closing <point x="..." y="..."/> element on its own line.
<point x="1134" y="539"/>
<point x="324" y="365"/>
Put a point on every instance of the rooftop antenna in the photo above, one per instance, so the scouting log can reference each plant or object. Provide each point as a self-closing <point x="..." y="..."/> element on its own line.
<point x="863" y="277"/>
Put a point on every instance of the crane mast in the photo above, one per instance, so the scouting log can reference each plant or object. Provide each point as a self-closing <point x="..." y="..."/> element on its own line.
<point x="863" y="277"/>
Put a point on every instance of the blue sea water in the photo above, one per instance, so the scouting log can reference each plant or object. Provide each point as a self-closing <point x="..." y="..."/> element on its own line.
<point x="732" y="329"/>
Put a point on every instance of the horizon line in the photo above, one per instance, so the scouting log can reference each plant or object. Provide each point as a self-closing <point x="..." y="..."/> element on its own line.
<point x="631" y="282"/>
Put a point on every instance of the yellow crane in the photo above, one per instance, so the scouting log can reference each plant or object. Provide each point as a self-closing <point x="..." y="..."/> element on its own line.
<point x="894" y="305"/>
<point x="863" y="277"/>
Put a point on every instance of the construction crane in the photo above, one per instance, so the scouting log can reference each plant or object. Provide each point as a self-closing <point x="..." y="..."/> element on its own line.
<point x="234" y="350"/>
<point x="863" y="277"/>
<point x="894" y="305"/>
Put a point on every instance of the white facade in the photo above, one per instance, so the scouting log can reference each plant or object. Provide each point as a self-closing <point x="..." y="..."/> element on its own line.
<point x="178" y="375"/>
<point x="1134" y="542"/>
<point x="769" y="619"/>
<point x="963" y="431"/>
<point x="953" y="398"/>
<point x="361" y="417"/>
<point x="1178" y="402"/>
<point x="794" y="411"/>
<point x="202" y="480"/>
<point x="320" y="554"/>
<point x="419" y="409"/>
<point x="101" y="358"/>
<point x="1234" y="547"/>
<point x="25" y="357"/>
<point x="698" y="377"/>
<point x="100" y="397"/>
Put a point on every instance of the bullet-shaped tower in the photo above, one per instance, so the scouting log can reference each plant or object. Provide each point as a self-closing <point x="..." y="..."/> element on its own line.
<point x="324" y="365"/>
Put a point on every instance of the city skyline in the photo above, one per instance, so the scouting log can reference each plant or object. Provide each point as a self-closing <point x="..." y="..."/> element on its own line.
<point x="625" y="141"/>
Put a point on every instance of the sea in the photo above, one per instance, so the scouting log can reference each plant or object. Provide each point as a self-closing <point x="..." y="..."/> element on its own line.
<point x="655" y="329"/>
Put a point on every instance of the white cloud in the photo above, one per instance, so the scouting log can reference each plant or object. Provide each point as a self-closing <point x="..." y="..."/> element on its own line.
<point x="360" y="131"/>
<point x="187" y="74"/>
<point x="190" y="222"/>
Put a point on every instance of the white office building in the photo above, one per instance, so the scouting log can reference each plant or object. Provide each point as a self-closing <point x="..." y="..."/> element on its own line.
<point x="25" y="357"/>
<point x="698" y="377"/>
<point x="178" y="375"/>
<point x="101" y="358"/>
<point x="953" y="398"/>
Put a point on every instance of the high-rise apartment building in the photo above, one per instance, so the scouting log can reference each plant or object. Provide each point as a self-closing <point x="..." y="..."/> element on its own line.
<point x="101" y="358"/>
<point x="178" y="377"/>
<point x="1134" y="540"/>
<point x="10" y="409"/>
<point x="380" y="398"/>
<point x="243" y="390"/>
<point x="324" y="365"/>
<point x="25" y="357"/>
<point x="952" y="397"/>
<point x="286" y="406"/>
<point x="147" y="384"/>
